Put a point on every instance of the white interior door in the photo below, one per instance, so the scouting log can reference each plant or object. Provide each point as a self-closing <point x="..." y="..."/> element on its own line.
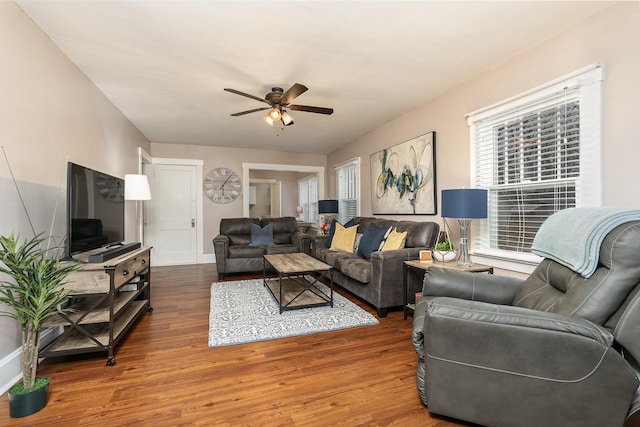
<point x="174" y="235"/>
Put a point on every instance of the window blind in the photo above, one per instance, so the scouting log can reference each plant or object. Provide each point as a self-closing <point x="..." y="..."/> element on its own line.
<point x="534" y="155"/>
<point x="347" y="190"/>
<point x="308" y="198"/>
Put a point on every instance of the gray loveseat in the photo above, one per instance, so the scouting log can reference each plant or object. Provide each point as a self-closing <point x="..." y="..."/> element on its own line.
<point x="377" y="281"/>
<point x="233" y="249"/>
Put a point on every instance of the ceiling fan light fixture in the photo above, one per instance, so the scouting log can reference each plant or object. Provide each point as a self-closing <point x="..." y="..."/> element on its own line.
<point x="275" y="114"/>
<point x="286" y="118"/>
<point x="268" y="120"/>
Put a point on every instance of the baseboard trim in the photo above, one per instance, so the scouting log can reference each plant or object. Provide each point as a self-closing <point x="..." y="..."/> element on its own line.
<point x="11" y="365"/>
<point x="10" y="370"/>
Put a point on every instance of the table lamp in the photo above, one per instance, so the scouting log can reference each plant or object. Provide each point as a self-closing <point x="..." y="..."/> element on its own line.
<point x="464" y="204"/>
<point x="136" y="187"/>
<point x="327" y="210"/>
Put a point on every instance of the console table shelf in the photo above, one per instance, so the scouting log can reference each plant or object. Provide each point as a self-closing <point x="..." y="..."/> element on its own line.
<point x="104" y="310"/>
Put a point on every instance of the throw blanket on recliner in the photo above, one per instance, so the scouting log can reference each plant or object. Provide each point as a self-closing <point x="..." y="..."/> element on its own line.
<point x="573" y="236"/>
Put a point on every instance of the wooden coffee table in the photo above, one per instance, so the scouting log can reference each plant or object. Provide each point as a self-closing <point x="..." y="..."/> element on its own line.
<point x="296" y="284"/>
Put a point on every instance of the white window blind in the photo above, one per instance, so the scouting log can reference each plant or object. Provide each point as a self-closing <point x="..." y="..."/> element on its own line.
<point x="348" y="189"/>
<point x="308" y="198"/>
<point x="536" y="154"/>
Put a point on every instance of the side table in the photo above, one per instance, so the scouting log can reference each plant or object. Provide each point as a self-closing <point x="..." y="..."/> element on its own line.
<point x="424" y="266"/>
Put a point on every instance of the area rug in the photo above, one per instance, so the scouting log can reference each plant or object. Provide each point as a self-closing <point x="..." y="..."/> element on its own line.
<point x="244" y="311"/>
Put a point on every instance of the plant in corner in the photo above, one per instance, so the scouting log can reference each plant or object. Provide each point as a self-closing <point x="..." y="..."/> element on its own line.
<point x="33" y="293"/>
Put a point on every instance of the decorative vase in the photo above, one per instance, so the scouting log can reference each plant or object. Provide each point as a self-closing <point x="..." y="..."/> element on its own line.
<point x="23" y="404"/>
<point x="444" y="256"/>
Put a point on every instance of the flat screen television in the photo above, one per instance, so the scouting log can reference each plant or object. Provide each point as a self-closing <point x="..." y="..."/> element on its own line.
<point x="95" y="209"/>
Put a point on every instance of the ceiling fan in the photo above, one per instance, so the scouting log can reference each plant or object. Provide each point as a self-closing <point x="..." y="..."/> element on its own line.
<point x="278" y="100"/>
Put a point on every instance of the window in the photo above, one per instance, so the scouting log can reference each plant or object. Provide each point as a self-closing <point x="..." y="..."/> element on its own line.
<point x="536" y="154"/>
<point x="308" y="198"/>
<point x="348" y="189"/>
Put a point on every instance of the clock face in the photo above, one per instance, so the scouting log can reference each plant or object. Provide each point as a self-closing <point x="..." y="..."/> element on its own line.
<point x="222" y="185"/>
<point x="110" y="188"/>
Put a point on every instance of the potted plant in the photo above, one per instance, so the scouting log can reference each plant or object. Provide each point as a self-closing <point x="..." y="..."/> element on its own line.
<point x="33" y="293"/>
<point x="444" y="250"/>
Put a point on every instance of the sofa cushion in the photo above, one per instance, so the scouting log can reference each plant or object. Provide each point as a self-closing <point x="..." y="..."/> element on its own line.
<point x="344" y="238"/>
<point x="350" y="265"/>
<point x="281" y="249"/>
<point x="372" y="239"/>
<point x="237" y="229"/>
<point x="335" y="258"/>
<point x="358" y="269"/>
<point x="419" y="234"/>
<point x="321" y="253"/>
<point x="356" y="244"/>
<point x="332" y="229"/>
<point x="283" y="228"/>
<point x="395" y="240"/>
<point x="261" y="236"/>
<point x="245" y="251"/>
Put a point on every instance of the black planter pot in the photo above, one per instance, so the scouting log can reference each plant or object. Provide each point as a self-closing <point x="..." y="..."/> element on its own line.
<point x="21" y="405"/>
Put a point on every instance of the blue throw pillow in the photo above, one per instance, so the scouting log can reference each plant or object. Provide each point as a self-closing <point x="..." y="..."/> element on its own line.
<point x="372" y="239"/>
<point x="261" y="236"/>
<point x="332" y="229"/>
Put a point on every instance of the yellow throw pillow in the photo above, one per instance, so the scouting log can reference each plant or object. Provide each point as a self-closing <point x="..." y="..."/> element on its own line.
<point x="344" y="238"/>
<point x="394" y="241"/>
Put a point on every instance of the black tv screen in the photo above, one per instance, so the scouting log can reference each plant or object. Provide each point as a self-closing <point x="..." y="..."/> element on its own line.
<point x="95" y="209"/>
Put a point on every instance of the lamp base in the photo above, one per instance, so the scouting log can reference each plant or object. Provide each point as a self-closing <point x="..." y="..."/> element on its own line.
<point x="464" y="260"/>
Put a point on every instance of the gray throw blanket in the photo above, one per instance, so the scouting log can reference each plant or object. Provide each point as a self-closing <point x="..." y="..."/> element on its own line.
<point x="573" y="236"/>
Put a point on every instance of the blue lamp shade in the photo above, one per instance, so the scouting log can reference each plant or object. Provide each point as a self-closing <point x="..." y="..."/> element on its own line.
<point x="327" y="206"/>
<point x="464" y="203"/>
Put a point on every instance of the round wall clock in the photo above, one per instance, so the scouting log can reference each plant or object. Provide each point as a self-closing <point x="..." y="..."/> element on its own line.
<point x="110" y="188"/>
<point x="222" y="185"/>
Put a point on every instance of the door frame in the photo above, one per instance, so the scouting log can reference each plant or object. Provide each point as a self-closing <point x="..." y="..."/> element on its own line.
<point x="247" y="167"/>
<point x="199" y="164"/>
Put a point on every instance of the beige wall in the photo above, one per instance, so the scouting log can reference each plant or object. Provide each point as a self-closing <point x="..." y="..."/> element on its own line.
<point x="233" y="158"/>
<point x="50" y="114"/>
<point x="611" y="38"/>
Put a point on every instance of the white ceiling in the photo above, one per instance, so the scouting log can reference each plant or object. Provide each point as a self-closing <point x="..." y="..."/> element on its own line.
<point x="165" y="64"/>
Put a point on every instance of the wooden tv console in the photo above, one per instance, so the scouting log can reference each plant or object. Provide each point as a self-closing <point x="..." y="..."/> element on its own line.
<point x="107" y="298"/>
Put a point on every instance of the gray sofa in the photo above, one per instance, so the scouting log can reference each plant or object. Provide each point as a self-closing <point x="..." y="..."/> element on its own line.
<point x="377" y="281"/>
<point x="233" y="249"/>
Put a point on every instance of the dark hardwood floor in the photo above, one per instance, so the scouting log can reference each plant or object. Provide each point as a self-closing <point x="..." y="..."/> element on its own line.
<point x="165" y="374"/>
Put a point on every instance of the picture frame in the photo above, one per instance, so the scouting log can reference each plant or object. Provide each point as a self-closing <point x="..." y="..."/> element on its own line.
<point x="403" y="178"/>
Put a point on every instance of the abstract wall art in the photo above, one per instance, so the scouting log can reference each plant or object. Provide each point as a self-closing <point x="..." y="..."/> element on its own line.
<point x="403" y="178"/>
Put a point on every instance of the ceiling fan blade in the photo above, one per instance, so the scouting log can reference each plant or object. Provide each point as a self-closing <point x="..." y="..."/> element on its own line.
<point x="242" y="113"/>
<point x="309" y="109"/>
<point x="292" y="93"/>
<point x="237" y="92"/>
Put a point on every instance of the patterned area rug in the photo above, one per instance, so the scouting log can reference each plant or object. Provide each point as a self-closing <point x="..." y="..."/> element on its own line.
<point x="245" y="311"/>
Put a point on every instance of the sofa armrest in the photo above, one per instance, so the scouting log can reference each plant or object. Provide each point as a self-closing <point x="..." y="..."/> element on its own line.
<point x="220" y="248"/>
<point x="525" y="319"/>
<point x="387" y="273"/>
<point x="319" y="241"/>
<point x="302" y="240"/>
<point x="437" y="317"/>
<point x="470" y="286"/>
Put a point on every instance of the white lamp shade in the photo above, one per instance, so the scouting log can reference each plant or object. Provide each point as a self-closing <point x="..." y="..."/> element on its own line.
<point x="136" y="187"/>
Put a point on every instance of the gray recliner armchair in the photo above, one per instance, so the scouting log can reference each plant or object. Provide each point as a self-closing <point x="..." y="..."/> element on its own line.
<point x="556" y="349"/>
